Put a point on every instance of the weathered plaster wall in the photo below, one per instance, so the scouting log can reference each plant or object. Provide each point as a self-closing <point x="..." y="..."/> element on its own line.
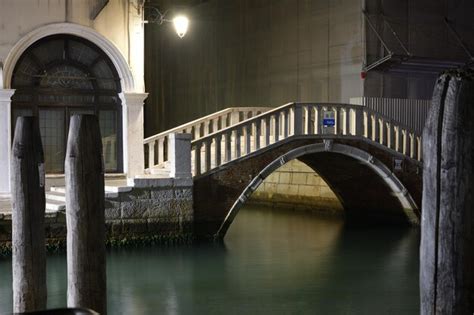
<point x="297" y="186"/>
<point x="253" y="53"/>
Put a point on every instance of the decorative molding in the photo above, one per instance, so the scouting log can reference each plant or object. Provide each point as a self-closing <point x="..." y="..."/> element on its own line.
<point x="134" y="99"/>
<point x="6" y="95"/>
<point x="121" y="65"/>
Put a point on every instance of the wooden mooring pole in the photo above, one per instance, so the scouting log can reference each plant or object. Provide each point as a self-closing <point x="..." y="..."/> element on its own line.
<point x="85" y="215"/>
<point x="447" y="240"/>
<point x="28" y="201"/>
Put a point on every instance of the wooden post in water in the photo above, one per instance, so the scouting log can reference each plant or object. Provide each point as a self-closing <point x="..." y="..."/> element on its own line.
<point x="447" y="241"/>
<point x="85" y="215"/>
<point x="28" y="235"/>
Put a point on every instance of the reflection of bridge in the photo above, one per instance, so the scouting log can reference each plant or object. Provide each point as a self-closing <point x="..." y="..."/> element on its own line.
<point x="370" y="161"/>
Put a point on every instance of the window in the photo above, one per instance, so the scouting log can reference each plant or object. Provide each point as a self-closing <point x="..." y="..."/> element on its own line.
<point x="62" y="75"/>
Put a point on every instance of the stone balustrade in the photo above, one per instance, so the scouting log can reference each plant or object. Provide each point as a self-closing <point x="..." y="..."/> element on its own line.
<point x="156" y="147"/>
<point x="301" y="119"/>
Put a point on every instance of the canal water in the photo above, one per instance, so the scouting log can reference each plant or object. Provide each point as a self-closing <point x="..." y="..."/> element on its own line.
<point x="272" y="262"/>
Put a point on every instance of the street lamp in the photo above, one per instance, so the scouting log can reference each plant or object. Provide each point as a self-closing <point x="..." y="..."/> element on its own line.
<point x="180" y="21"/>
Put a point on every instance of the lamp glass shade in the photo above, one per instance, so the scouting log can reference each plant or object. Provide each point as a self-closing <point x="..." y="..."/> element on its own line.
<point x="181" y="24"/>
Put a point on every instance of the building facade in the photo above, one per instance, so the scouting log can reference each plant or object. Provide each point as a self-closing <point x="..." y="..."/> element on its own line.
<point x="271" y="52"/>
<point x="59" y="58"/>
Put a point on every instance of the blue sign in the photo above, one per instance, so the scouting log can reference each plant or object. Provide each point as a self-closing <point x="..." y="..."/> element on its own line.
<point x="329" y="122"/>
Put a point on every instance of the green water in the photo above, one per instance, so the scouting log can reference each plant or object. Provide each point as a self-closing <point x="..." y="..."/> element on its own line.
<point x="272" y="262"/>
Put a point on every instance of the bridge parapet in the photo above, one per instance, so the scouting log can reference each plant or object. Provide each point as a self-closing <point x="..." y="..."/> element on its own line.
<point x="156" y="147"/>
<point x="297" y="119"/>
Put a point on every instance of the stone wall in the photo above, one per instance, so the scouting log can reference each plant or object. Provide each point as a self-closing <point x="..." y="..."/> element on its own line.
<point x="165" y="207"/>
<point x="152" y="208"/>
<point x="296" y="186"/>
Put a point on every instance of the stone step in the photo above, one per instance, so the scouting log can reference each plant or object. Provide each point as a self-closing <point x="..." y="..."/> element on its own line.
<point x="56" y="196"/>
<point x="58" y="189"/>
<point x="59" y="193"/>
<point x="53" y="205"/>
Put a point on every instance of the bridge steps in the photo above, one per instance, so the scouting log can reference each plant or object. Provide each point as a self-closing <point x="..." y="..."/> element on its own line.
<point x="56" y="197"/>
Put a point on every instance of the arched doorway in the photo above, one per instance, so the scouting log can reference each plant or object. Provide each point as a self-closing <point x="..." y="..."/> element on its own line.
<point x="61" y="75"/>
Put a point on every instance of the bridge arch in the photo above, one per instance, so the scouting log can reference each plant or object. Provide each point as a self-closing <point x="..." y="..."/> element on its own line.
<point x="397" y="191"/>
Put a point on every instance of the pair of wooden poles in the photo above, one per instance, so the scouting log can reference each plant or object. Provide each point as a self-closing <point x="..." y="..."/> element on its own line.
<point x="85" y="218"/>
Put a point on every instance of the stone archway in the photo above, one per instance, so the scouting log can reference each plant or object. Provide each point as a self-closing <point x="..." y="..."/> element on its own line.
<point x="393" y="195"/>
<point x="131" y="98"/>
<point x="396" y="188"/>
<point x="87" y="33"/>
<point x="62" y="75"/>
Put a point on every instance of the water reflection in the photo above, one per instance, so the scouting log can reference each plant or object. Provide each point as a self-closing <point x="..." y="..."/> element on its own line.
<point x="272" y="262"/>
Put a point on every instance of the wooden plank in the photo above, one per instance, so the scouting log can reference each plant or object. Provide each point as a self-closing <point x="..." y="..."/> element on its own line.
<point x="28" y="232"/>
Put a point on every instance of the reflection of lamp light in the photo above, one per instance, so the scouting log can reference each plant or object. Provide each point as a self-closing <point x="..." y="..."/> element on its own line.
<point x="180" y="22"/>
<point x="181" y="25"/>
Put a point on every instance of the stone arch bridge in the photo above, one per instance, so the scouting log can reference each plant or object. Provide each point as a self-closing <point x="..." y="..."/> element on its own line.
<point x="371" y="162"/>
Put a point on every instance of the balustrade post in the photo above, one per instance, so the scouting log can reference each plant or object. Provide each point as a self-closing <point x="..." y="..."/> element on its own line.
<point x="161" y="150"/>
<point x="218" y="150"/>
<point x="247" y="139"/>
<point x="369" y="125"/>
<point x="383" y="132"/>
<point x="406" y="146"/>
<point x="224" y="121"/>
<point x="207" y="155"/>
<point x="277" y="127"/>
<point x="258" y="131"/>
<point x="298" y="119"/>
<point x="347" y="121"/>
<point x="215" y="125"/>
<point x="286" y="123"/>
<point x="399" y="139"/>
<point x="376" y="129"/>
<point x="336" y="120"/>
<point x="228" y="146"/>
<point x="151" y="154"/>
<point x="179" y="152"/>
<point x="207" y="127"/>
<point x="318" y="117"/>
<point x="391" y="136"/>
<point x="267" y="130"/>
<point x="237" y="144"/>
<point x="412" y="145"/>
<point x="308" y="123"/>
<point x="197" y="158"/>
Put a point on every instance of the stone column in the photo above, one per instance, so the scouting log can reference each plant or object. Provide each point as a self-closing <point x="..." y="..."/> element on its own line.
<point x="137" y="44"/>
<point x="180" y="155"/>
<point x="6" y="137"/>
<point x="133" y="135"/>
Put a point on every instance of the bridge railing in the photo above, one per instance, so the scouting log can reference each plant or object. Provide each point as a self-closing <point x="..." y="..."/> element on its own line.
<point x="297" y="119"/>
<point x="156" y="147"/>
